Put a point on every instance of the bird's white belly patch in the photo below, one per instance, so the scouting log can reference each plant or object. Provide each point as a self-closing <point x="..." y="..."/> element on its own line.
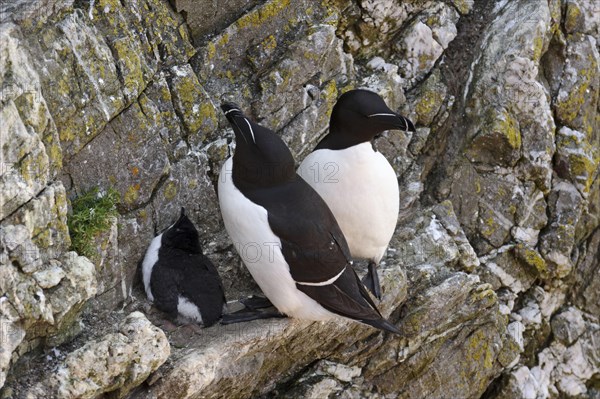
<point x="260" y="249"/>
<point x="188" y="309"/>
<point x="150" y="260"/>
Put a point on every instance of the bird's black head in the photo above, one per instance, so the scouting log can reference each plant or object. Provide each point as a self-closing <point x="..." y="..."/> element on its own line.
<point x="358" y="116"/>
<point x="261" y="158"/>
<point x="182" y="235"/>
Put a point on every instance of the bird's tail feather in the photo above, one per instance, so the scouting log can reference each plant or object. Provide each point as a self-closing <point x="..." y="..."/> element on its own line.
<point x="383" y="324"/>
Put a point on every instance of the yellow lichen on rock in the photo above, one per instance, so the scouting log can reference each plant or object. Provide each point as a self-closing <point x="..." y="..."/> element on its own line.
<point x="264" y="13"/>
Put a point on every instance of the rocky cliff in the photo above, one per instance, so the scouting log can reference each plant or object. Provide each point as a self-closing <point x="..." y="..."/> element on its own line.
<point x="492" y="275"/>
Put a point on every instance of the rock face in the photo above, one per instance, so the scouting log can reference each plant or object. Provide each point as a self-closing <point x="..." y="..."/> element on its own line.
<point x="116" y="363"/>
<point x="491" y="275"/>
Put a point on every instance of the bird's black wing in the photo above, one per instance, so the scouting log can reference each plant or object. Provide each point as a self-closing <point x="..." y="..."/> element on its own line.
<point x="311" y="240"/>
<point x="199" y="282"/>
<point x="163" y="284"/>
<point x="344" y="297"/>
<point x="315" y="249"/>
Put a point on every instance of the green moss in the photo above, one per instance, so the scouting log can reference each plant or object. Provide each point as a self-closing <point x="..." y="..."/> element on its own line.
<point x="192" y="184"/>
<point x="60" y="209"/>
<point x="533" y="259"/>
<point x="211" y="51"/>
<point x="489" y="227"/>
<point x="424" y="60"/>
<point x="170" y="190"/>
<point x="44" y="239"/>
<point x="91" y="216"/>
<point x="485" y="293"/>
<point x="132" y="194"/>
<point x="258" y="17"/>
<point x="131" y="68"/>
<point x="463" y="6"/>
<point x="269" y="44"/>
<point x="572" y="17"/>
<point x="538" y="46"/>
<point x="583" y="169"/>
<point x="330" y="90"/>
<point x="478" y="349"/>
<point x="509" y="127"/>
<point x="67" y="131"/>
<point x="569" y="109"/>
<point x="573" y="107"/>
<point x="223" y="40"/>
<point x="428" y="106"/>
<point x="54" y="153"/>
<point x="208" y="112"/>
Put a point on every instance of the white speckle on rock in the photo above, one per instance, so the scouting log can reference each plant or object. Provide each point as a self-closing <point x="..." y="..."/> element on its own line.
<point x="531" y="314"/>
<point x="91" y="10"/>
<point x="378" y="63"/>
<point x="340" y="371"/>
<point x="435" y="229"/>
<point x="515" y="329"/>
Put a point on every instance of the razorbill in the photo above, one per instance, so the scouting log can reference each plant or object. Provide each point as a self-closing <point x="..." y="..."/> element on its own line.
<point x="285" y="233"/>
<point x="354" y="179"/>
<point x="179" y="279"/>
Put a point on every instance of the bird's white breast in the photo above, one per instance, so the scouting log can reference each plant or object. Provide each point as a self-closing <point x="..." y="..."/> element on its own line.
<point x="361" y="189"/>
<point x="260" y="249"/>
<point x="150" y="260"/>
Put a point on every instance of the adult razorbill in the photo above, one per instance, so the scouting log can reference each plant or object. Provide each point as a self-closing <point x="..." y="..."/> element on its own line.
<point x="355" y="180"/>
<point x="285" y="233"/>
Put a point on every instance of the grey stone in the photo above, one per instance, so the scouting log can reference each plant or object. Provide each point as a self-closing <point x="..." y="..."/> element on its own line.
<point x="424" y="41"/>
<point x="586" y="287"/>
<point x="557" y="240"/>
<point x="385" y="81"/>
<point x="208" y="17"/>
<point x="567" y="326"/>
<point x="125" y="155"/>
<point x="192" y="105"/>
<point x="503" y="268"/>
<point x="320" y="51"/>
<point x="582" y="16"/>
<point x="560" y="370"/>
<point x="49" y="277"/>
<point x="12" y="334"/>
<point x="115" y="363"/>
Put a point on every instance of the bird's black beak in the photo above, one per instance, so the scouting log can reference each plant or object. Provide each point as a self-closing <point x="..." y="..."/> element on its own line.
<point x="242" y="126"/>
<point x="393" y="121"/>
<point x="230" y="110"/>
<point x="182" y="217"/>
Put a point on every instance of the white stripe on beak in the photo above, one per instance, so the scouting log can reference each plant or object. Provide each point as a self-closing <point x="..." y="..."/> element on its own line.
<point x="232" y="109"/>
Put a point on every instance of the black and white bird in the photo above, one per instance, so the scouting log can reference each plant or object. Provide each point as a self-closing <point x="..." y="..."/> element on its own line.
<point x="355" y="180"/>
<point x="285" y="233"/>
<point x="179" y="279"/>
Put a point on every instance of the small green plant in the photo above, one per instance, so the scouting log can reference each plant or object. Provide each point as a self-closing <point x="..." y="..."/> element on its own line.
<point x="91" y="215"/>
